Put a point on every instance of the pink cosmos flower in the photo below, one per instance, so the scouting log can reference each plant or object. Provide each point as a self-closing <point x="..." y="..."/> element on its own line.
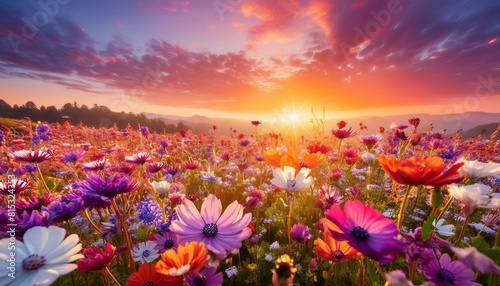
<point x="139" y="158"/>
<point x="32" y="156"/>
<point x="365" y="229"/>
<point x="221" y="232"/>
<point x="444" y="272"/>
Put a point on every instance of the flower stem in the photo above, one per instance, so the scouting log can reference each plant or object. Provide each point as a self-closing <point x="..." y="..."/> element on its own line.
<point x="330" y="271"/>
<point x="112" y="276"/>
<point x="86" y="214"/>
<point x="126" y="234"/>
<point x="289" y="219"/>
<point x="462" y="231"/>
<point x="445" y="208"/>
<point x="403" y="206"/>
<point x="41" y="178"/>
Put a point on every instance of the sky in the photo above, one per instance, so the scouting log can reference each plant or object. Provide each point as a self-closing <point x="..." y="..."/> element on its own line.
<point x="253" y="59"/>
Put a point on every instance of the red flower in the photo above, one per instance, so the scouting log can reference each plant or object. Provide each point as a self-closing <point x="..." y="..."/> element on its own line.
<point x="343" y="133"/>
<point x="316" y="147"/>
<point x="96" y="259"/>
<point x="341" y="124"/>
<point x="255" y="122"/>
<point x="183" y="133"/>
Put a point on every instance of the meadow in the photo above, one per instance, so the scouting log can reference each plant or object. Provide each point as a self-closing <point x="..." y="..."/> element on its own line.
<point x="404" y="205"/>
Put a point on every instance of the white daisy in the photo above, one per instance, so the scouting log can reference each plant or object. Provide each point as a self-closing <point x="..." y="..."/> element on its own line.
<point x="41" y="258"/>
<point x="444" y="230"/>
<point x="162" y="187"/>
<point x="477" y="170"/>
<point x="285" y="179"/>
<point x="145" y="252"/>
<point x="470" y="196"/>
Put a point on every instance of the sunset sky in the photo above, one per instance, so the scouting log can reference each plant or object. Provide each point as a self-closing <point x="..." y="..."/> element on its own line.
<point x="251" y="59"/>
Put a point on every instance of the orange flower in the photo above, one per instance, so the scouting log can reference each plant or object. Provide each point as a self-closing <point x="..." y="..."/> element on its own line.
<point x="334" y="250"/>
<point x="416" y="172"/>
<point x="147" y="273"/>
<point x="280" y="159"/>
<point x="273" y="157"/>
<point x="189" y="258"/>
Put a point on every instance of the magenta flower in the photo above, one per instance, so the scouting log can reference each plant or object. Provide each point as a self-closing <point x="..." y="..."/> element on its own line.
<point x="300" y="233"/>
<point x="343" y="133"/>
<point x="367" y="230"/>
<point x="221" y="233"/>
<point x="32" y="156"/>
<point x="209" y="277"/>
<point x="139" y="158"/>
<point x="96" y="258"/>
<point x="447" y="273"/>
<point x="108" y="187"/>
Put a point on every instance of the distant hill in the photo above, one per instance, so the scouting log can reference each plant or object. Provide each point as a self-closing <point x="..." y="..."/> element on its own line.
<point x="484" y="130"/>
<point x="448" y="123"/>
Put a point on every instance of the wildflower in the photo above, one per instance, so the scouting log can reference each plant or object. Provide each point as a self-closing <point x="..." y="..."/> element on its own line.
<point x="283" y="272"/>
<point x="350" y="156"/>
<point x="334" y="250"/>
<point x="397" y="278"/>
<point x="209" y="277"/>
<point x="32" y="156"/>
<point x="192" y="165"/>
<point x="477" y="170"/>
<point x="444" y="272"/>
<point x="149" y="212"/>
<point x="96" y="258"/>
<point x="14" y="185"/>
<point x="91" y="201"/>
<point x="94" y="165"/>
<point x="300" y="233"/>
<point x="444" y="230"/>
<point x="147" y="275"/>
<point x="470" y="196"/>
<point x="42" y="256"/>
<point x="366" y="230"/>
<point x="273" y="157"/>
<point x="370" y="140"/>
<point x="72" y="157"/>
<point x="268" y="257"/>
<point x="255" y="123"/>
<point x="368" y="157"/>
<point x="285" y="178"/>
<point x="343" y="133"/>
<point x="189" y="258"/>
<point x="220" y="232"/>
<point x="422" y="251"/>
<point x="161" y="187"/>
<point x="145" y="252"/>
<point x="62" y="210"/>
<point x="475" y="260"/>
<point x="108" y="187"/>
<point x="144" y="130"/>
<point x="155" y="167"/>
<point x="274" y="245"/>
<point x="231" y="271"/>
<point x="165" y="241"/>
<point x="139" y="158"/>
<point x="415" y="172"/>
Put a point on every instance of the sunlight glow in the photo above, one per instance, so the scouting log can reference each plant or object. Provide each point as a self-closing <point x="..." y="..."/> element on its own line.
<point x="293" y="117"/>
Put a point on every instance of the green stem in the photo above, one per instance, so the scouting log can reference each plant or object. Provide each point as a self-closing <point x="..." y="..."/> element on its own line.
<point x="126" y="234"/>
<point x="329" y="273"/>
<point x="403" y="206"/>
<point x="445" y="208"/>
<point x="289" y="226"/>
<point x="41" y="178"/>
<point x="462" y="231"/>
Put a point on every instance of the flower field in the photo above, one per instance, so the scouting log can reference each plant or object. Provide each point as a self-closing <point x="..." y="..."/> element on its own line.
<point x="401" y="206"/>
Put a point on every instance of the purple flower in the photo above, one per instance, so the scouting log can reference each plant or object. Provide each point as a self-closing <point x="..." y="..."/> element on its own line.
<point x="23" y="221"/>
<point x="444" y="272"/>
<point x="166" y="241"/>
<point x="65" y="209"/>
<point x="366" y="230"/>
<point x="72" y="157"/>
<point x="300" y="233"/>
<point x="29" y="168"/>
<point x="474" y="259"/>
<point x="33" y="203"/>
<point x="95" y="201"/>
<point x="2" y="136"/>
<point x="144" y="130"/>
<point x="421" y="251"/>
<point x="221" y="232"/>
<point x="149" y="212"/>
<point x="209" y="277"/>
<point x="109" y="186"/>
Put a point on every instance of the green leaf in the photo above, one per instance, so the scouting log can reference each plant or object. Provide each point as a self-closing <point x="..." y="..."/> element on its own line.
<point x="493" y="253"/>
<point x="372" y="273"/>
<point x="427" y="227"/>
<point x="141" y="233"/>
<point x="479" y="243"/>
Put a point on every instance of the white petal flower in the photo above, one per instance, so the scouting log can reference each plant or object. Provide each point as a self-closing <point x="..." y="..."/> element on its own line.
<point x="470" y="196"/>
<point x="161" y="187"/>
<point x="145" y="252"/>
<point x="444" y="230"/>
<point x="477" y="170"/>
<point x="285" y="179"/>
<point x="44" y="255"/>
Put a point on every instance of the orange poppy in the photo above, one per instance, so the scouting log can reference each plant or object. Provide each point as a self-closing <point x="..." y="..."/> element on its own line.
<point x="334" y="250"/>
<point x="189" y="258"/>
<point x="147" y="275"/>
<point x="416" y="172"/>
<point x="280" y="159"/>
<point x="273" y="157"/>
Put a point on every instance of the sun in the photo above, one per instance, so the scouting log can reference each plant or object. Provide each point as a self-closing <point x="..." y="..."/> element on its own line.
<point x="294" y="117"/>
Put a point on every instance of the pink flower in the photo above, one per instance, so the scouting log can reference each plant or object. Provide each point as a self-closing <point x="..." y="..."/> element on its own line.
<point x="365" y="229"/>
<point x="32" y="156"/>
<point x="96" y="258"/>
<point x="221" y="232"/>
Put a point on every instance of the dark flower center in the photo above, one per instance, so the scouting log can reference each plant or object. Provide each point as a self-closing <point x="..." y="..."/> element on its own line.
<point x="360" y="233"/>
<point x="169" y="243"/>
<point x="199" y="281"/>
<point x="337" y="254"/>
<point x="145" y="253"/>
<point x="149" y="283"/>
<point x="446" y="276"/>
<point x="33" y="262"/>
<point x="291" y="183"/>
<point x="210" y="229"/>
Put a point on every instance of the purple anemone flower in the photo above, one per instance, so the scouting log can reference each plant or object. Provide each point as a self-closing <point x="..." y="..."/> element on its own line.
<point x="108" y="187"/>
<point x="209" y="277"/>
<point x="65" y="210"/>
<point x="444" y="272"/>
<point x="300" y="233"/>
<point x="367" y="230"/>
<point x="166" y="241"/>
<point x="221" y="232"/>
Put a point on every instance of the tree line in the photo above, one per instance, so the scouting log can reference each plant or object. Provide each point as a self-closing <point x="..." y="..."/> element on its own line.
<point x="97" y="116"/>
